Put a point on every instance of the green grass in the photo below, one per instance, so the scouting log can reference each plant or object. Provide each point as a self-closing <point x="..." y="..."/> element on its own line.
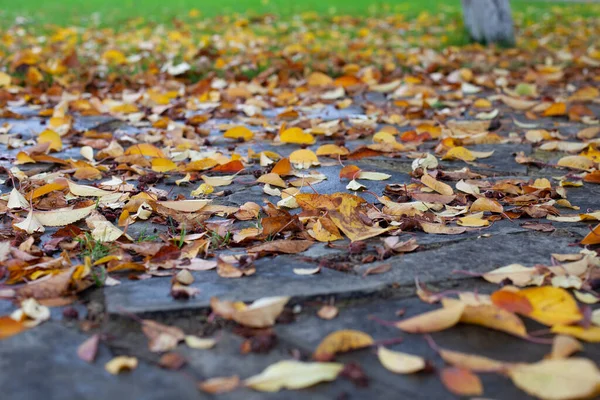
<point x="115" y="12"/>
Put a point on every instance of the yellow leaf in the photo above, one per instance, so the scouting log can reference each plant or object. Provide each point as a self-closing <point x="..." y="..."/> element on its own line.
<point x="400" y="363"/>
<point x="291" y="374"/>
<point x="163" y="165"/>
<point x="459" y="153"/>
<point x="341" y="342"/>
<point x="114" y="57"/>
<point x="4" y="79"/>
<point x="304" y="158"/>
<point x="562" y="379"/>
<point x="23" y="158"/>
<point x="591" y="334"/>
<point x="436" y="185"/>
<point x="296" y="135"/>
<point x="49" y="136"/>
<point x="490" y="316"/>
<point x="576" y="162"/>
<point x="332" y="150"/>
<point x="316" y="79"/>
<point x="239" y="132"/>
<point x="144" y="149"/>
<point x="433" y="321"/>
<point x="485" y="204"/>
<point x="475" y="220"/>
<point x="203" y="190"/>
<point x="552" y="306"/>
<point x="592" y="153"/>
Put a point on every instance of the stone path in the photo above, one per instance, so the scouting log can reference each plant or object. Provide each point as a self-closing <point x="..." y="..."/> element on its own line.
<point x="42" y="362"/>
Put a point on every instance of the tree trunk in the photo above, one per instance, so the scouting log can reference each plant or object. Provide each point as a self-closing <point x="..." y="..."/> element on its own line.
<point x="489" y="21"/>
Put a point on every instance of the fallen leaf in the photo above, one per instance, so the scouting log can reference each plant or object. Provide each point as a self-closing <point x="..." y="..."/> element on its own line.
<point x="9" y="327"/>
<point x="461" y="382"/>
<point x="220" y="385"/>
<point x="239" y="132"/>
<point x="341" y="342"/>
<point x="297" y="136"/>
<point x="552" y="306"/>
<point x="400" y="363"/>
<point x="557" y="379"/>
<point x="161" y="337"/>
<point x="328" y="312"/>
<point x="289" y="374"/>
<point x="120" y="364"/>
<point x="433" y="321"/>
<point x="472" y="362"/>
<point x="564" y="346"/>
<point x="87" y="350"/>
<point x="436" y="185"/>
<point x="195" y="342"/>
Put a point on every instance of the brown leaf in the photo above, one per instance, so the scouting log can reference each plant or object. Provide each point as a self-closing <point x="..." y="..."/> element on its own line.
<point x="161" y="337"/>
<point x="282" y="246"/>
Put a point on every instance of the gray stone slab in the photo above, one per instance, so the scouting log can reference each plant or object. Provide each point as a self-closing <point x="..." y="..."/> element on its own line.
<point x="42" y="363"/>
<point x="476" y="255"/>
<point x="274" y="277"/>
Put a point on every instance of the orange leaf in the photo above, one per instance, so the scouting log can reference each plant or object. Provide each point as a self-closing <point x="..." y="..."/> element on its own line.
<point x="47" y="188"/>
<point x="461" y="382"/>
<point x="556" y="110"/>
<point x="349" y="172"/>
<point x="593" y="237"/>
<point x="230" y="167"/>
<point x="512" y="301"/>
<point x="283" y="167"/>
<point x="9" y="327"/>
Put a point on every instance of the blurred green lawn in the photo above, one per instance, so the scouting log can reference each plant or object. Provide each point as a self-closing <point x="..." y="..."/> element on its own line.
<point x="114" y="12"/>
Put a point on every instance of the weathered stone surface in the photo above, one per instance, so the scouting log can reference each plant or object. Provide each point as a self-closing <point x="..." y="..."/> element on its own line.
<point x="43" y="363"/>
<point x="274" y="277"/>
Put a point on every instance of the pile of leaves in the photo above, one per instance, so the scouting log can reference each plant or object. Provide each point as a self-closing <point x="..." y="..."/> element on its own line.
<point x="194" y="118"/>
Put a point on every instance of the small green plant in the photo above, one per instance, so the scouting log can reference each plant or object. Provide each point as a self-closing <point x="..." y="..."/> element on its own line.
<point x="92" y="248"/>
<point x="217" y="241"/>
<point x="147" y="237"/>
<point x="181" y="240"/>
